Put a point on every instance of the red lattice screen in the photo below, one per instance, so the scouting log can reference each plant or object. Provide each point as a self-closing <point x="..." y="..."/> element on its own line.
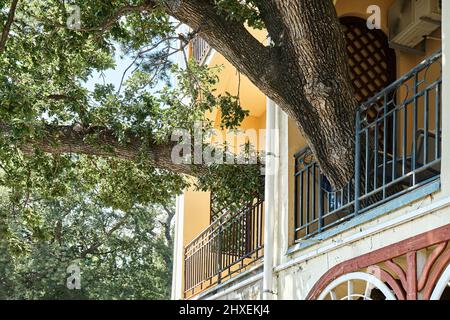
<point x="371" y="62"/>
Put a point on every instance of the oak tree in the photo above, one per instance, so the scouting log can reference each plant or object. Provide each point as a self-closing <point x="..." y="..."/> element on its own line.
<point x="303" y="69"/>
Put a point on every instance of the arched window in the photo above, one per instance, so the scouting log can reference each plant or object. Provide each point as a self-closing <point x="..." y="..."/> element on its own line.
<point x="357" y="286"/>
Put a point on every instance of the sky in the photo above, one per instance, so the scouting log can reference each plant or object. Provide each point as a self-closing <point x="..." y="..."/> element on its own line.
<point x="112" y="76"/>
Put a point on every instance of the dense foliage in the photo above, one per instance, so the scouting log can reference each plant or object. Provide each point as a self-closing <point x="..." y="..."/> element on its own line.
<point x="104" y="213"/>
<point x="122" y="254"/>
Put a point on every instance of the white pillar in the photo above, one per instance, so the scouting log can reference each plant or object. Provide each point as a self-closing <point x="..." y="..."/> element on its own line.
<point x="269" y="197"/>
<point x="178" y="250"/>
<point x="445" y="162"/>
<point x="178" y="244"/>
<point x="276" y="195"/>
<point x="281" y="193"/>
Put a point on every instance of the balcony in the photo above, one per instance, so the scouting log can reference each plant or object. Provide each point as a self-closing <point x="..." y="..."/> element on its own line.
<point x="233" y="243"/>
<point x="398" y="150"/>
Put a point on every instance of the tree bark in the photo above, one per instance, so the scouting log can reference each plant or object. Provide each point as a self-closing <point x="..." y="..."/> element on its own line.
<point x="99" y="141"/>
<point x="305" y="72"/>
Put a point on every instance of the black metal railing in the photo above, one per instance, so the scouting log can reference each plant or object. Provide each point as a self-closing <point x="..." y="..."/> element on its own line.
<point x="200" y="49"/>
<point x="231" y="244"/>
<point x="396" y="151"/>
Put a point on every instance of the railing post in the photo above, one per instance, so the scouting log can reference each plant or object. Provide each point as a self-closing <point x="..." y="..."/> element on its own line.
<point x="357" y="161"/>
<point x="445" y="102"/>
<point x="297" y="212"/>
<point x="219" y="255"/>
<point x="320" y="205"/>
<point x="186" y="284"/>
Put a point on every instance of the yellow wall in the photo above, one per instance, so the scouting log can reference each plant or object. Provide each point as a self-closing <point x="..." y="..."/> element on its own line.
<point x="197" y="204"/>
<point x="196" y="213"/>
<point x="251" y="98"/>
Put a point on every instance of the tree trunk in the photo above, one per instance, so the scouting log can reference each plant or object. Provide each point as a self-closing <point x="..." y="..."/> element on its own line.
<point x="305" y="71"/>
<point x="323" y="105"/>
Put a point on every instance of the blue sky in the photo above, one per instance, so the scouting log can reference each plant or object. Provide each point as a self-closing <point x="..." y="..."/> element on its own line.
<point x="111" y="75"/>
<point x="114" y="76"/>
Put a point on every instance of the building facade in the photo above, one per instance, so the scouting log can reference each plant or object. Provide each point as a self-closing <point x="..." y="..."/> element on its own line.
<point x="386" y="234"/>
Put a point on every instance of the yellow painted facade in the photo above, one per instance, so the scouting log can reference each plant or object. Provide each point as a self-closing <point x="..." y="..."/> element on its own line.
<point x="197" y="204"/>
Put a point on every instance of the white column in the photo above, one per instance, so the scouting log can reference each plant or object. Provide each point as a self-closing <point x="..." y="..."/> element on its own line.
<point x="178" y="250"/>
<point x="178" y="244"/>
<point x="281" y="192"/>
<point x="276" y="195"/>
<point x="269" y="198"/>
<point x="445" y="171"/>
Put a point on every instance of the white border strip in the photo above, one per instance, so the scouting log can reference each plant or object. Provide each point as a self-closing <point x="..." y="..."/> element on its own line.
<point x="440" y="204"/>
<point x="209" y="56"/>
<point x="178" y="250"/>
<point x="236" y="287"/>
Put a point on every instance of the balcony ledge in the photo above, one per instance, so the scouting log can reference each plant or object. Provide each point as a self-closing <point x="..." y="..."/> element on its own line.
<point x="241" y="280"/>
<point x="370" y="215"/>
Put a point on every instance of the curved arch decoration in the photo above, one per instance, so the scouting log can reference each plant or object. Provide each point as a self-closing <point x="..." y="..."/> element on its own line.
<point x="403" y="280"/>
<point x="443" y="283"/>
<point x="371" y="282"/>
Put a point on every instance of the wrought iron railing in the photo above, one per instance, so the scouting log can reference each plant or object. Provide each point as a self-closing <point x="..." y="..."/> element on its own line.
<point x="200" y="49"/>
<point x="233" y="243"/>
<point x="398" y="149"/>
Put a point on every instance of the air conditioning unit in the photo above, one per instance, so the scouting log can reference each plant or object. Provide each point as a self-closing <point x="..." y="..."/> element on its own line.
<point x="411" y="20"/>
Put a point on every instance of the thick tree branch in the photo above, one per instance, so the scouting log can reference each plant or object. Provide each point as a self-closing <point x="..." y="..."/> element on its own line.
<point x="232" y="40"/>
<point x="305" y="73"/>
<point x="99" y="141"/>
<point x="7" y="26"/>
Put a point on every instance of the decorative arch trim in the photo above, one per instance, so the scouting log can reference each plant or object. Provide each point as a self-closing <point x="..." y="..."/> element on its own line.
<point x="408" y="248"/>
<point x="367" y="277"/>
<point x="443" y="282"/>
